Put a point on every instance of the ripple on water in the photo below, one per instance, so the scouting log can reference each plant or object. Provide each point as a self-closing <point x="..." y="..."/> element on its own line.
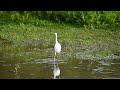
<point x="2" y="61"/>
<point x="42" y="61"/>
<point x="106" y="63"/>
<point x="99" y="69"/>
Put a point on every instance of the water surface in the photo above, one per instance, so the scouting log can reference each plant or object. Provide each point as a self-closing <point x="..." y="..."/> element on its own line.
<point x="37" y="62"/>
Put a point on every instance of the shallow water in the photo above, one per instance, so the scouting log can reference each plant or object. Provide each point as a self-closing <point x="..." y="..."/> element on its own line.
<point x="37" y="62"/>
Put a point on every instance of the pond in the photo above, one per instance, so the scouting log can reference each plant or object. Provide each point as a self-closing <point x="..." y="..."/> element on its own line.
<point x="37" y="62"/>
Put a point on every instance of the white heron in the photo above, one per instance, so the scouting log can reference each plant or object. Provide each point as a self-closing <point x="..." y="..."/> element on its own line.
<point x="57" y="46"/>
<point x="57" y="49"/>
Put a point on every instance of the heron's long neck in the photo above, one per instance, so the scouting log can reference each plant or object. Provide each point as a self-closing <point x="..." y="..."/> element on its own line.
<point x="56" y="39"/>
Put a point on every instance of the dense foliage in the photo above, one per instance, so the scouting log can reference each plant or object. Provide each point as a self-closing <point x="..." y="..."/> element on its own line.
<point x="91" y="19"/>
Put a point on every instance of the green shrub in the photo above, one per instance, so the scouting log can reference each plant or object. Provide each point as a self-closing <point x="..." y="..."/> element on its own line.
<point x="91" y="19"/>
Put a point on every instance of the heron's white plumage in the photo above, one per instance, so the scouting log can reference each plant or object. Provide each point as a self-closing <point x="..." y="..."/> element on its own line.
<point x="57" y="46"/>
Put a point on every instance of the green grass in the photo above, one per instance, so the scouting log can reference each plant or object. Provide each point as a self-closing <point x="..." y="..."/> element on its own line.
<point x="40" y="33"/>
<point x="25" y="32"/>
<point x="18" y="33"/>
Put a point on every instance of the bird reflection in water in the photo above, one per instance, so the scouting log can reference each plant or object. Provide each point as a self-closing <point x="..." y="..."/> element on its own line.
<point x="16" y="71"/>
<point x="56" y="71"/>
